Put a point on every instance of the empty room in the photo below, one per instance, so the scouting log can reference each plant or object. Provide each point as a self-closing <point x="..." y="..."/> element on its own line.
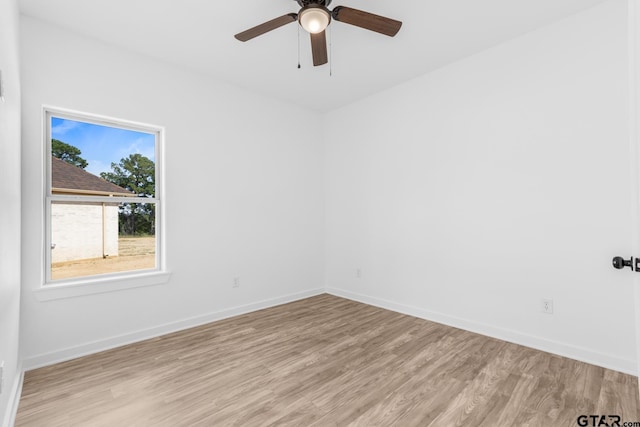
<point x="319" y="213"/>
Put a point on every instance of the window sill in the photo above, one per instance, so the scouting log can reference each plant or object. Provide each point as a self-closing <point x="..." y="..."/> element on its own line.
<point x="100" y="285"/>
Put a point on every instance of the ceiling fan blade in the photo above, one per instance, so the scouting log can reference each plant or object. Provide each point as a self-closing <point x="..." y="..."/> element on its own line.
<point x="366" y="20"/>
<point x="258" y="30"/>
<point x="319" y="48"/>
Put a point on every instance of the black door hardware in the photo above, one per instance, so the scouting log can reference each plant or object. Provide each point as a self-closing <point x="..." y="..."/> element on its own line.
<point x="620" y="263"/>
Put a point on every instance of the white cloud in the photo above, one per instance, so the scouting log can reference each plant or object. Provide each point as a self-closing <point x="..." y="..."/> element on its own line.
<point x="63" y="127"/>
<point x="140" y="146"/>
<point x="97" y="166"/>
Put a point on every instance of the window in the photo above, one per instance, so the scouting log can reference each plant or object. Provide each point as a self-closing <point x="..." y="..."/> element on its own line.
<point x="103" y="204"/>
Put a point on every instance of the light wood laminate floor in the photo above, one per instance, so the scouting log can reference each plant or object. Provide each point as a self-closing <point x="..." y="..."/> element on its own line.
<point x="323" y="361"/>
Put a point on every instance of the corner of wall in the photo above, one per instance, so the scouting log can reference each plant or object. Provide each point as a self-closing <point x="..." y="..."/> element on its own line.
<point x="14" y="399"/>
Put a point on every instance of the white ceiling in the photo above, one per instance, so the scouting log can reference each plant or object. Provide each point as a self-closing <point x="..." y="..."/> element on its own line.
<point x="198" y="34"/>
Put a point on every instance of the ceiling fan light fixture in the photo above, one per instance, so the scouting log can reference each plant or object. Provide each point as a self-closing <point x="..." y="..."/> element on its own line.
<point x="314" y="18"/>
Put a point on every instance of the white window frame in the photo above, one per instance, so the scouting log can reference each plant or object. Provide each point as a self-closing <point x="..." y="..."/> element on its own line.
<point x="86" y="285"/>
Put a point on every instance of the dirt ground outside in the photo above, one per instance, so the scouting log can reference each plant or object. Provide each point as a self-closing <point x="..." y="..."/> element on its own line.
<point x="135" y="253"/>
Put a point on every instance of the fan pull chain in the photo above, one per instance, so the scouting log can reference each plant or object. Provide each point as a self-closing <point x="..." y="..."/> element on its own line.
<point x="330" y="51"/>
<point x="298" y="46"/>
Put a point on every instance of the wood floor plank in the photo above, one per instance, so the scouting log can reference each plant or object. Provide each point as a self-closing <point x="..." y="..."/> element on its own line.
<point x="323" y="361"/>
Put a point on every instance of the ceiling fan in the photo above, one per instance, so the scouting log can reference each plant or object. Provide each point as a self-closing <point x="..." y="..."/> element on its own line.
<point x="314" y="17"/>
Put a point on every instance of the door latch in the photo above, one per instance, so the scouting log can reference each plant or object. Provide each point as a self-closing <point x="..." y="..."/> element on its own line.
<point x="620" y="263"/>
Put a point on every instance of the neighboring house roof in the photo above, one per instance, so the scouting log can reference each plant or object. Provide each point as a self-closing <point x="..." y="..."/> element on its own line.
<point x="69" y="179"/>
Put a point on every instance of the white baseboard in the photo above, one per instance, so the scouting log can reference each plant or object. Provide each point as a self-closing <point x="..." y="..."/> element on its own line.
<point x="549" y="346"/>
<point x="559" y="348"/>
<point x="14" y="399"/>
<point x="129" y="338"/>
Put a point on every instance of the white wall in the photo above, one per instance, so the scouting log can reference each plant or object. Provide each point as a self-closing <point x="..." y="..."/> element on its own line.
<point x="468" y="194"/>
<point x="9" y="209"/>
<point x="244" y="194"/>
<point x="83" y="231"/>
<point x="464" y="196"/>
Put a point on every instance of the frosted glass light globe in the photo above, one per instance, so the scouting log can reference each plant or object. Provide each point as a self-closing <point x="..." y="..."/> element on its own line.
<point x="314" y="19"/>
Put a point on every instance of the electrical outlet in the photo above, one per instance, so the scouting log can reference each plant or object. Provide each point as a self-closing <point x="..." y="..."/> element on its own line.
<point x="236" y="282"/>
<point x="546" y="306"/>
<point x="358" y="273"/>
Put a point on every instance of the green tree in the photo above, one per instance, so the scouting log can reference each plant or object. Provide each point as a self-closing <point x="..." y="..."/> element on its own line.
<point x="67" y="153"/>
<point x="137" y="174"/>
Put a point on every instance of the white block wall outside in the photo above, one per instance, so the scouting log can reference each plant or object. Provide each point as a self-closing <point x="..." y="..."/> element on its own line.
<point x="78" y="231"/>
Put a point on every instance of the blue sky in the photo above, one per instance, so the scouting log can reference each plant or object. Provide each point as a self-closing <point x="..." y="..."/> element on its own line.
<point x="102" y="145"/>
